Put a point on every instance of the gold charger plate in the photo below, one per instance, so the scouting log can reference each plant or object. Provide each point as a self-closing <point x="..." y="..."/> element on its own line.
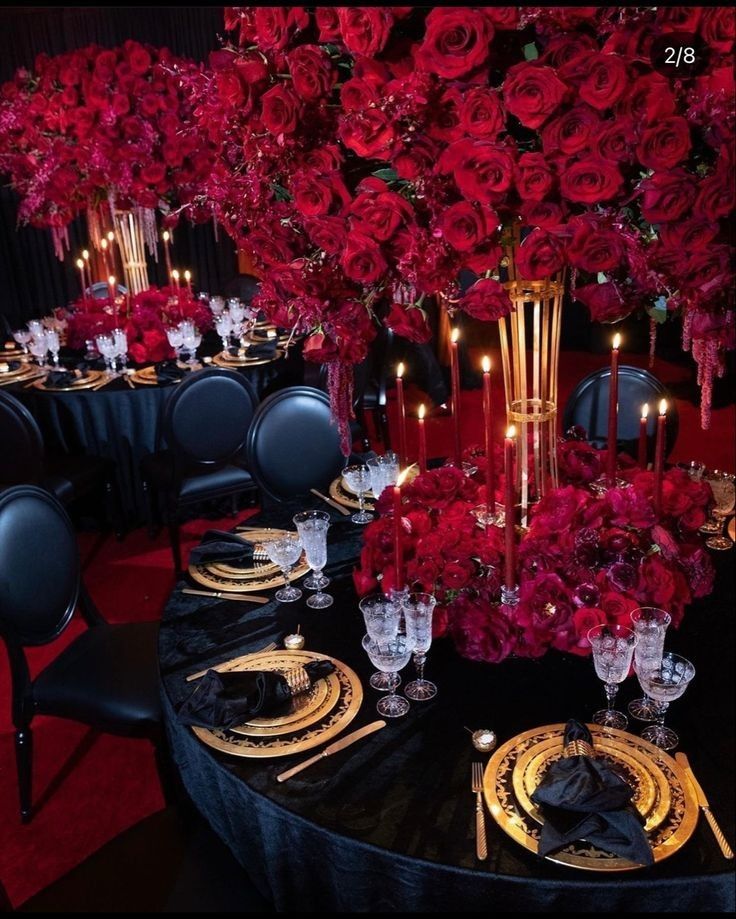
<point x="306" y="709"/>
<point x="147" y="375"/>
<point x="93" y="377"/>
<point x="7" y="375"/>
<point x="229" y="361"/>
<point x="345" y="496"/>
<point x="334" y="722"/>
<point x="666" y="839"/>
<point x="651" y="790"/>
<point x="732" y="529"/>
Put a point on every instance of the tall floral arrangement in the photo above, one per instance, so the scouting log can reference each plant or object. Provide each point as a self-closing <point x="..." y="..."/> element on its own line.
<point x="101" y="125"/>
<point x="366" y="155"/>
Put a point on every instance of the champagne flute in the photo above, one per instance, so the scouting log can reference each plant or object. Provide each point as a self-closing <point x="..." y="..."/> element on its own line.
<point x="613" y="648"/>
<point x="381" y="616"/>
<point x="650" y="625"/>
<point x="418" y="609"/>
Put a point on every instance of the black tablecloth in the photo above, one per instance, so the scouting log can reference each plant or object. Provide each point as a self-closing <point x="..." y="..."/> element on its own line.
<point x="116" y="422"/>
<point x="389" y="824"/>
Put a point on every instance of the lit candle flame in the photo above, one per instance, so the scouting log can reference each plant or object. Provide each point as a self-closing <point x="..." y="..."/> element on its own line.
<point x="80" y="263"/>
<point x="111" y="280"/>
<point x="645" y="410"/>
<point x="402" y="476"/>
<point x="454" y="335"/>
<point x="103" y="245"/>
<point x="511" y="431"/>
<point x="616" y="341"/>
<point x="400" y="371"/>
<point x="663" y="407"/>
<point x="187" y="276"/>
<point x="111" y="236"/>
<point x="421" y="412"/>
<point x="166" y="235"/>
<point x="85" y="254"/>
<point x="175" y="274"/>
<point x="486" y="364"/>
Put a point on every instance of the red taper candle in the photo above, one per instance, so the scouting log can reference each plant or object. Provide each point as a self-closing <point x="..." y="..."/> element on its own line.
<point x="643" y="437"/>
<point x="488" y="422"/>
<point x="612" y="444"/>
<point x="510" y="508"/>
<point x="422" y="441"/>
<point x="455" y="387"/>
<point x="188" y="279"/>
<point x="402" y="414"/>
<point x="659" y="455"/>
<point x="166" y="236"/>
<point x="398" y="535"/>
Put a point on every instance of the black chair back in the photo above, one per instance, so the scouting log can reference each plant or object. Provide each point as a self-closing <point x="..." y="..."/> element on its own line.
<point x="39" y="566"/>
<point x="207" y="416"/>
<point x="588" y="407"/>
<point x="21" y="443"/>
<point x="293" y="443"/>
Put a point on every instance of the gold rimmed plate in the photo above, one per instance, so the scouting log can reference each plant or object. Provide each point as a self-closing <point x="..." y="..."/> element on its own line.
<point x="340" y="492"/>
<point x="668" y="837"/>
<point x="86" y="382"/>
<point x="223" y="359"/>
<point x="328" y="725"/>
<point x="148" y="376"/>
<point x="7" y="373"/>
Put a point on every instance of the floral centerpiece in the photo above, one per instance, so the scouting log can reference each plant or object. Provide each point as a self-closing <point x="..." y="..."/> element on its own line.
<point x="145" y="318"/>
<point x="365" y="155"/>
<point x="585" y="559"/>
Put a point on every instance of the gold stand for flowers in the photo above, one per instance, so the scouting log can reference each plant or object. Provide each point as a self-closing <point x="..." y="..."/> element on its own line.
<point x="530" y="349"/>
<point x="129" y="234"/>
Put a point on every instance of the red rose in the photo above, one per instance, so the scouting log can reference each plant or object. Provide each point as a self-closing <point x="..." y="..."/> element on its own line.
<point x="679" y="18"/>
<point x="150" y="104"/>
<point x="416" y="159"/>
<point x="542" y="213"/>
<point x="381" y="211"/>
<point x="584" y="619"/>
<point x="605" y="80"/>
<point x="456" y="42"/>
<point x="604" y="302"/>
<point x="480" y="631"/>
<point x="534" y="178"/>
<point x="274" y="25"/>
<point x="311" y="72"/>
<point x="281" y="110"/>
<point x="369" y="133"/>
<point x="708" y="270"/>
<point x="457" y="574"/>
<point x="153" y="173"/>
<point x="594" y="247"/>
<point x="656" y="582"/>
<point x="319" y="349"/>
<point x="716" y="196"/>
<point x="271" y="246"/>
<point x="445" y="124"/>
<point x="573" y="132"/>
<point x="580" y="462"/>
<point x="328" y="23"/>
<point x="541" y="255"/>
<point x="105" y="65"/>
<point x="616" y="141"/>
<point x="564" y="47"/>
<point x="316" y="195"/>
<point x="139" y="60"/>
<point x="481" y="114"/>
<point x="648" y="99"/>
<point x="667" y="196"/>
<point x="719" y="28"/>
<point x="365" y="29"/>
<point x="362" y="259"/>
<point x="532" y="93"/>
<point x="617" y="607"/>
<point x="408" y="322"/>
<point x="487" y="299"/>
<point x="591" y="181"/>
<point x="482" y="171"/>
<point x="465" y="226"/>
<point x="503" y="17"/>
<point x="664" y="144"/>
<point x="328" y="233"/>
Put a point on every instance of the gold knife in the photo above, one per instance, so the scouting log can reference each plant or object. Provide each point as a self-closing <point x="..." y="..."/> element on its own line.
<point x="704" y="806"/>
<point x="224" y="595"/>
<point x="333" y="748"/>
<point x="338" y="507"/>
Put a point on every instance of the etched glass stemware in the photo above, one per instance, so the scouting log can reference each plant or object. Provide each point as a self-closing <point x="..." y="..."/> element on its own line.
<point x="382" y="616"/>
<point x="285" y="552"/>
<point x="22" y="337"/>
<point x="724" y="492"/>
<point x="53" y="344"/>
<point x="224" y="327"/>
<point x="663" y="683"/>
<point x="120" y="340"/>
<point x="358" y="480"/>
<point x="613" y="648"/>
<point x="38" y="348"/>
<point x="390" y="655"/>
<point x="312" y="527"/>
<point x="176" y="339"/>
<point x="384" y="471"/>
<point x="418" y="609"/>
<point x="650" y="625"/>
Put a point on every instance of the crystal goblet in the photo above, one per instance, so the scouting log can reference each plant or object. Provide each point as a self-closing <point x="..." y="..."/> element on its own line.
<point x="382" y="616"/>
<point x="53" y="343"/>
<point x="120" y="340"/>
<point x="285" y="552"/>
<point x="38" y="349"/>
<point x="613" y="648"/>
<point x="358" y="479"/>
<point x="22" y="337"/>
<point x="665" y="682"/>
<point x="36" y="328"/>
<point x="176" y="338"/>
<point x="106" y="347"/>
<point x="418" y="609"/>
<point x="724" y="492"/>
<point x="389" y="655"/>
<point x="224" y="327"/>
<point x="312" y="527"/>
<point x="650" y="625"/>
<point x="384" y="471"/>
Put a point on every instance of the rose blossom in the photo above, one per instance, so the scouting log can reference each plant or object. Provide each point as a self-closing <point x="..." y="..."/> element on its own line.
<point x="617" y="139"/>
<point x="540" y="255"/>
<point x="365" y="29"/>
<point x="317" y="195"/>
<point x="574" y="131"/>
<point x="591" y="181"/>
<point x="486" y="300"/>
<point x="543" y="213"/>
<point x="719" y="28"/>
<point x="605" y="79"/>
<point x="409" y="323"/>
<point x="465" y="226"/>
<point x="483" y="171"/>
<point x="534" y="178"/>
<point x="648" y="99"/>
<point x="664" y="144"/>
<point x="481" y="631"/>
<point x="311" y="70"/>
<point x="593" y="246"/>
<point x="281" y="110"/>
<point x="362" y="259"/>
<point x="482" y="114"/>
<point x="532" y="93"/>
<point x="369" y="133"/>
<point x="456" y="41"/>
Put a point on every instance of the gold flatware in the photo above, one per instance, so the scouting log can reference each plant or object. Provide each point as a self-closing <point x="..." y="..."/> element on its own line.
<point x="224" y="595"/>
<point x="481" y="846"/>
<point x="234" y="663"/>
<point x="333" y="748"/>
<point x="704" y="806"/>
<point x="32" y="380"/>
<point x="338" y="507"/>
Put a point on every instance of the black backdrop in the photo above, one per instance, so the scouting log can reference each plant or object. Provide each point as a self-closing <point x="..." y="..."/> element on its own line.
<point x="32" y="280"/>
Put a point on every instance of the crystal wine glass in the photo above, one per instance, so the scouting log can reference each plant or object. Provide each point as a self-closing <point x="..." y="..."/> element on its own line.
<point x="694" y="468"/>
<point x="381" y="616"/>
<point x="418" y="609"/>
<point x="22" y="337"/>
<point x="664" y="682"/>
<point x="724" y="492"/>
<point x="224" y="327"/>
<point x="390" y="655"/>
<point x="217" y="305"/>
<point x="35" y="327"/>
<point x="53" y="344"/>
<point x="384" y="471"/>
<point x="358" y="480"/>
<point x="38" y="349"/>
<point x="613" y="648"/>
<point x="120" y="340"/>
<point x="650" y="625"/>
<point x="312" y="527"/>
<point x="106" y="347"/>
<point x="285" y="552"/>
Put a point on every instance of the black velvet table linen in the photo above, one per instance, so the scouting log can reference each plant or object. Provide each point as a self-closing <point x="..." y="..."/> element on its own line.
<point x="389" y="824"/>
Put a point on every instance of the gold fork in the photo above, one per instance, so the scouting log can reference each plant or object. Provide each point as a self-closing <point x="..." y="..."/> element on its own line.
<point x="481" y="846"/>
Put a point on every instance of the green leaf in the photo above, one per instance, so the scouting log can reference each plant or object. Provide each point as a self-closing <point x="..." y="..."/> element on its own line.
<point x="388" y="175"/>
<point x="530" y="51"/>
<point x="281" y="193"/>
<point x="658" y="310"/>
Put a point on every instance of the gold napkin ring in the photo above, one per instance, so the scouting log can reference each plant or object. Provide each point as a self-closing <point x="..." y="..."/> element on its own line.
<point x="578" y="748"/>
<point x="298" y="680"/>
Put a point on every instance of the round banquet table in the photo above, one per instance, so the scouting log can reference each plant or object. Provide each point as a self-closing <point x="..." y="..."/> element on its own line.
<point x="116" y="422"/>
<point x="389" y="824"/>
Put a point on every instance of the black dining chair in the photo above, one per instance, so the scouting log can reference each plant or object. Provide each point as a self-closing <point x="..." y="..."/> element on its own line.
<point x="205" y="422"/>
<point x="293" y="443"/>
<point x="588" y="407"/>
<point x="107" y="677"/>
<point x="24" y="460"/>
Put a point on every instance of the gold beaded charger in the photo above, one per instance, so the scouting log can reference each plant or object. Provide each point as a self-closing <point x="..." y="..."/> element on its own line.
<point x="664" y="796"/>
<point x="86" y="382"/>
<point x="310" y="725"/>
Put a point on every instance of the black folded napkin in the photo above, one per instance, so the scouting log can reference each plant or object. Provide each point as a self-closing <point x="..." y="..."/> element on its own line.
<point x="262" y="349"/>
<point x="582" y="797"/>
<point x="12" y="365"/>
<point x="60" y="378"/>
<point x="225" y="700"/>
<point x="168" y="371"/>
<point x="221" y="546"/>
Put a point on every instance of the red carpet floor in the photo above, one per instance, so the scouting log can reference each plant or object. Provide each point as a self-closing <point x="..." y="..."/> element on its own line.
<point x="88" y="788"/>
